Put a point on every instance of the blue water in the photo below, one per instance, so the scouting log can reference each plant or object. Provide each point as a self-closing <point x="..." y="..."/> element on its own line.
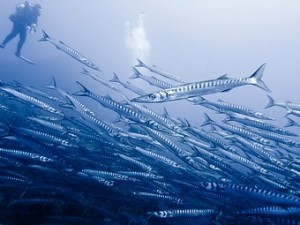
<point x="74" y="166"/>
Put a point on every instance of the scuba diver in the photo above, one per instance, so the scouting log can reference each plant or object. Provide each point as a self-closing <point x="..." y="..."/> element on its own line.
<point x="24" y="19"/>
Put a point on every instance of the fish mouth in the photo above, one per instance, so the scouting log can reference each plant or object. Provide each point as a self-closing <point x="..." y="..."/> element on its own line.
<point x="97" y="68"/>
<point x="139" y="99"/>
<point x="269" y="118"/>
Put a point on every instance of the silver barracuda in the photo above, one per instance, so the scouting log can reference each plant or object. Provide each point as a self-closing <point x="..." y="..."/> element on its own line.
<point x="292" y="105"/>
<point x="84" y="111"/>
<point x="221" y="84"/>
<point x="31" y="100"/>
<point x="49" y="124"/>
<point x="264" y="195"/>
<point x="258" y="124"/>
<point x="226" y="107"/>
<point x="183" y="213"/>
<point x="128" y="85"/>
<point x="248" y="134"/>
<point x="278" y="138"/>
<point x="158" y="118"/>
<point x="270" y="210"/>
<point x="100" y="80"/>
<point x="151" y="80"/>
<point x="38" y="92"/>
<point x="159" y="71"/>
<point x="119" y="108"/>
<point x="71" y="52"/>
<point x="70" y="100"/>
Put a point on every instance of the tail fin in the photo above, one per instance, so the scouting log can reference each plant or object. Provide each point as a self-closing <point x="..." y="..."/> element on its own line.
<point x="256" y="78"/>
<point x="288" y="111"/>
<point x="136" y="74"/>
<point x="84" y="91"/>
<point x="229" y="117"/>
<point x="85" y="71"/>
<point x="140" y="63"/>
<point x="115" y="78"/>
<point x="52" y="84"/>
<point x="45" y="37"/>
<point x="69" y="104"/>
<point x="271" y="102"/>
<point x="207" y="120"/>
<point x="165" y="113"/>
<point x="291" y="123"/>
<point x="184" y="124"/>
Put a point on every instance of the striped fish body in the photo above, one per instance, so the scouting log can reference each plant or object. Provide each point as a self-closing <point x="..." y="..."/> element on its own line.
<point x="263" y="195"/>
<point x="259" y="124"/>
<point x="71" y="52"/>
<point x="183" y="213"/>
<point x="222" y="84"/>
<point x="34" y="101"/>
<point x="151" y="80"/>
<point x="100" y="80"/>
<point x="159" y="71"/>
<point x="196" y="89"/>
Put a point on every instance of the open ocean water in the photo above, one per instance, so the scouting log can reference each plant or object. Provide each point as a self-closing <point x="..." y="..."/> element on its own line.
<point x="138" y="112"/>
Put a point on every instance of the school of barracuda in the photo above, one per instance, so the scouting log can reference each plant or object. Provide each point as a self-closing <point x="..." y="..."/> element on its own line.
<point x="61" y="163"/>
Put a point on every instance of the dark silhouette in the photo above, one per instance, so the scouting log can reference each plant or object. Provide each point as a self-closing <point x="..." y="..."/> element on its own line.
<point x="24" y="19"/>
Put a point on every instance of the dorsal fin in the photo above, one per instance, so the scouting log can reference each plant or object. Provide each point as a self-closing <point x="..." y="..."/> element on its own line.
<point x="108" y="97"/>
<point x="223" y="77"/>
<point x="85" y="71"/>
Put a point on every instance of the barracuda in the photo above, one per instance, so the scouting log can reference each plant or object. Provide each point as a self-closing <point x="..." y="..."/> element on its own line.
<point x="161" y="158"/>
<point x="142" y="165"/>
<point x="68" y="50"/>
<point x="263" y="195"/>
<point x="24" y="154"/>
<point x="270" y="210"/>
<point x="128" y="85"/>
<point x="159" y="71"/>
<point x="229" y="108"/>
<point x="292" y="105"/>
<point x="159" y="197"/>
<point x="158" y="118"/>
<point x="276" y="137"/>
<point x="168" y="143"/>
<point x="70" y="100"/>
<point x="121" y="109"/>
<point x="49" y="124"/>
<point x="258" y="124"/>
<point x="151" y="80"/>
<point x="86" y="112"/>
<point x="189" y="90"/>
<point x="100" y="80"/>
<point x="249" y="134"/>
<point x="183" y="213"/>
<point x="32" y="100"/>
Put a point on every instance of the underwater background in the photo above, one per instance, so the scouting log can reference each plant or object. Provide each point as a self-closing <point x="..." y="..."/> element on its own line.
<point x="79" y="166"/>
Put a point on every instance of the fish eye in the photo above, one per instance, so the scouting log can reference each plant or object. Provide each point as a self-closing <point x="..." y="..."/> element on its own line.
<point x="160" y="213"/>
<point x="152" y="96"/>
<point x="205" y="184"/>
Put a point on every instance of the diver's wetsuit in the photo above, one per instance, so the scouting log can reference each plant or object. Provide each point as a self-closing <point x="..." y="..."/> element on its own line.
<point x="18" y="28"/>
<point x="21" y="20"/>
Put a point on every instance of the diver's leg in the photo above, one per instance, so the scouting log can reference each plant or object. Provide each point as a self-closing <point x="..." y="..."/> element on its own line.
<point x="22" y="34"/>
<point x="11" y="35"/>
